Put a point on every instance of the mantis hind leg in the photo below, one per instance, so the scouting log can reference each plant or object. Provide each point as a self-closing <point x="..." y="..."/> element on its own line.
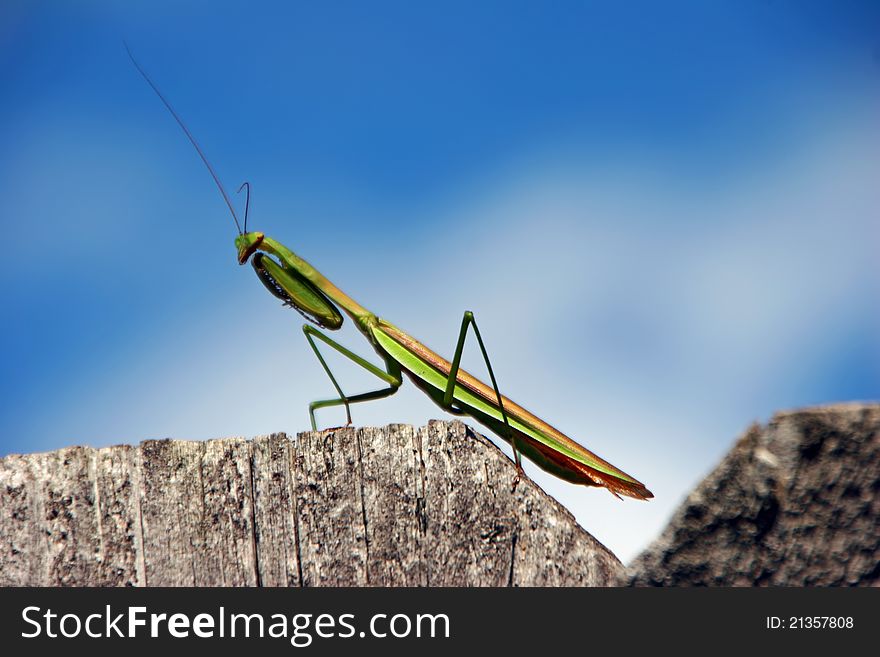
<point x="466" y="321"/>
<point x="392" y="376"/>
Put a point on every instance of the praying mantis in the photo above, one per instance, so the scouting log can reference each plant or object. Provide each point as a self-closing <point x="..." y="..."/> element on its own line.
<point x="302" y="287"/>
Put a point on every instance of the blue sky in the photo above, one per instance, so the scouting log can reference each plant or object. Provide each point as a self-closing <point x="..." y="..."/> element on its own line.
<point x="664" y="216"/>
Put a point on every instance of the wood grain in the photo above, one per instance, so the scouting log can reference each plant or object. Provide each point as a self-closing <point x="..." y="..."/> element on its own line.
<point x="391" y="506"/>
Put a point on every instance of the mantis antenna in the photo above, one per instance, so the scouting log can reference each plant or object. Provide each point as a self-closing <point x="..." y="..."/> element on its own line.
<point x="191" y="138"/>
<point x="247" y="203"/>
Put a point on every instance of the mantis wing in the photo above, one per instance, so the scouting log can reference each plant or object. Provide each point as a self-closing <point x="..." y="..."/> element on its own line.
<point x="544" y="444"/>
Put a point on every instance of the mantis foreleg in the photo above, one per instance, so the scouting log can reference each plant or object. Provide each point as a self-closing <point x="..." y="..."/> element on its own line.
<point x="392" y="376"/>
<point x="468" y="320"/>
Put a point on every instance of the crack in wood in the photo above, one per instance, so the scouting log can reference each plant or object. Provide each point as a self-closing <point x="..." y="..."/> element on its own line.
<point x="253" y="518"/>
<point x="360" y="454"/>
<point x="290" y="459"/>
<point x="510" y="579"/>
<point x="140" y="544"/>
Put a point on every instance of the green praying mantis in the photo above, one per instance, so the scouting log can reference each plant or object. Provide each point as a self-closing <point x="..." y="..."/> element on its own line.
<point x="302" y="287"/>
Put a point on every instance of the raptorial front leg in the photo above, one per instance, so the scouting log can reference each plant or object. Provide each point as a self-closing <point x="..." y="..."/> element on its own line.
<point x="392" y="376"/>
<point x="468" y="320"/>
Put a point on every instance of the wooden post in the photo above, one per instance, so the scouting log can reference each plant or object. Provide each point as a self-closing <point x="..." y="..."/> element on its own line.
<point x="794" y="503"/>
<point x="392" y="506"/>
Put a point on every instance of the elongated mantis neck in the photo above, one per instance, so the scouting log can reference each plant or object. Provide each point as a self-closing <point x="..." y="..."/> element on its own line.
<point x="357" y="312"/>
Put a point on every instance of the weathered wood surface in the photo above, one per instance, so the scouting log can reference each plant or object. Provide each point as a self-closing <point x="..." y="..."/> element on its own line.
<point x="794" y="503"/>
<point x="393" y="506"/>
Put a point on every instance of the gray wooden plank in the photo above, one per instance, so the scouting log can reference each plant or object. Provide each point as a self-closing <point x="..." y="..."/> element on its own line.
<point x="390" y="506"/>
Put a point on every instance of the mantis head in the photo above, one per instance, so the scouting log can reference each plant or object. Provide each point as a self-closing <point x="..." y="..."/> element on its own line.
<point x="247" y="244"/>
